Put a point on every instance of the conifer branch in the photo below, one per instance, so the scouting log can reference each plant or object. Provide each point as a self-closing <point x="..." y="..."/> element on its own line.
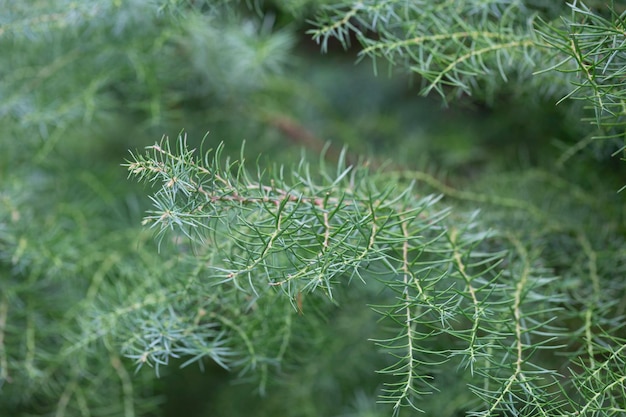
<point x="499" y="294"/>
<point x="470" y="46"/>
<point x="448" y="44"/>
<point x="439" y="274"/>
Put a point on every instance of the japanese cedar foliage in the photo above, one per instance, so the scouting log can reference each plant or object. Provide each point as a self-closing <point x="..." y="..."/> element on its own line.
<point x="478" y="273"/>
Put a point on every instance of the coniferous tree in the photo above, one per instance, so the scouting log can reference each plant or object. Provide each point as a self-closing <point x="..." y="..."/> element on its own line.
<point x="478" y="273"/>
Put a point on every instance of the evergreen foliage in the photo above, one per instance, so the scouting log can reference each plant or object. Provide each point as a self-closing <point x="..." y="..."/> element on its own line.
<point x="476" y="281"/>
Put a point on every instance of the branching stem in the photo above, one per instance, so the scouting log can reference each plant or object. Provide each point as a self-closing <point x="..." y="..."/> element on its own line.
<point x="593" y="302"/>
<point x="472" y="291"/>
<point x="520" y="288"/>
<point x="407" y="277"/>
<point x="127" y="385"/>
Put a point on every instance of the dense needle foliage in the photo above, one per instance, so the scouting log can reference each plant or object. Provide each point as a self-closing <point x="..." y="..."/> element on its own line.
<point x="461" y="253"/>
